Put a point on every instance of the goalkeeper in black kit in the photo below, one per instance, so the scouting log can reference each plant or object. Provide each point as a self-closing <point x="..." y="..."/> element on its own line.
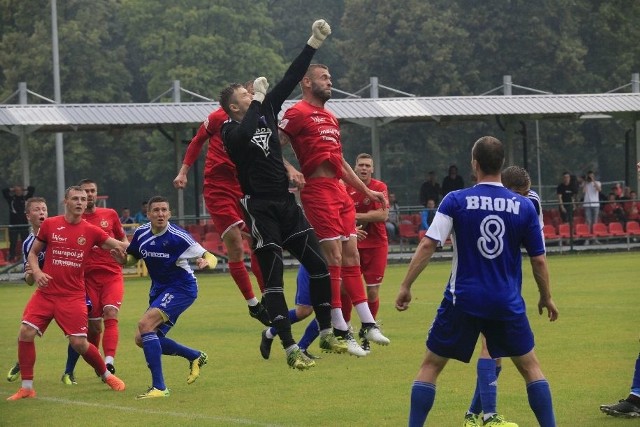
<point x="272" y="214"/>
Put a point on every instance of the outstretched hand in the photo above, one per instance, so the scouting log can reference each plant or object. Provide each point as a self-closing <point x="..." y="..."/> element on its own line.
<point x="260" y="87"/>
<point x="319" y="31"/>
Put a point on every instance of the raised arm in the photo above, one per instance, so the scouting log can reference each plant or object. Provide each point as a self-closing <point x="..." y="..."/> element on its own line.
<point x="296" y="71"/>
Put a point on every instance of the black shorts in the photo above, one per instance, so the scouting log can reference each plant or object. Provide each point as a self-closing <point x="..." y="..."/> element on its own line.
<point x="274" y="221"/>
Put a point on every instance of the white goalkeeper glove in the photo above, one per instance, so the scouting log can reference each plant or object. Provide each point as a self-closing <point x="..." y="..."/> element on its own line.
<point x="319" y="31"/>
<point x="260" y="86"/>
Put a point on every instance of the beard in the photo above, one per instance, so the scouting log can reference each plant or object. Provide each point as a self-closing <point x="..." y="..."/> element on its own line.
<point x="322" y="94"/>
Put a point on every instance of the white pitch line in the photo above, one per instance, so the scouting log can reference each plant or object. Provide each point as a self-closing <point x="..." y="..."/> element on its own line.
<point x="156" y="412"/>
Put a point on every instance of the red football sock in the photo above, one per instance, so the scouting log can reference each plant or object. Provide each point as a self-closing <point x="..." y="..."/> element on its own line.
<point x="26" y="358"/>
<point x="110" y="337"/>
<point x="241" y="277"/>
<point x="353" y="284"/>
<point x="94" y="338"/>
<point x="255" y="268"/>
<point x="374" y="306"/>
<point x="334" y="273"/>
<point x="93" y="358"/>
<point x="346" y="306"/>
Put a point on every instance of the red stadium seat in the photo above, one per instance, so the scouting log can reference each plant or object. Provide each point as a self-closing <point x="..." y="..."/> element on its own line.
<point x="564" y="231"/>
<point x="633" y="228"/>
<point x="616" y="229"/>
<point x="582" y="231"/>
<point x="408" y="233"/>
<point x="550" y="232"/>
<point x="600" y="230"/>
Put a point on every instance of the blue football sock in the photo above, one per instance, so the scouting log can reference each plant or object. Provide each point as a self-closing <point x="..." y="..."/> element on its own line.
<point x="422" y="396"/>
<point x="487" y="385"/>
<point x="310" y="334"/>
<point x="635" y="384"/>
<point x="539" y="395"/>
<point x="72" y="360"/>
<point x="153" y="353"/>
<point x="172" y="348"/>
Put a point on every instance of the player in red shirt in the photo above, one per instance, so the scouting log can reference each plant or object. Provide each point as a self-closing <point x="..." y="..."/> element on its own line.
<point x="314" y="134"/>
<point x="61" y="293"/>
<point x="373" y="249"/>
<point x="222" y="195"/>
<point x="103" y="277"/>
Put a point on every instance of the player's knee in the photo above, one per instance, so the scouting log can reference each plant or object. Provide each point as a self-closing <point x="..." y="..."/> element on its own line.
<point x="95" y="326"/>
<point x="110" y="312"/>
<point x="27" y="333"/>
<point x="303" y="311"/>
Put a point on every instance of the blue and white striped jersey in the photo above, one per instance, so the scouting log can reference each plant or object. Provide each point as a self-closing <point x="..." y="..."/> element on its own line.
<point x="488" y="224"/>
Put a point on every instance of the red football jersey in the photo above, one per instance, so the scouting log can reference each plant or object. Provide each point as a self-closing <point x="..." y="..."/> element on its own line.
<point x="107" y="220"/>
<point x="217" y="164"/>
<point x="68" y="246"/>
<point x="377" y="231"/>
<point x="315" y="137"/>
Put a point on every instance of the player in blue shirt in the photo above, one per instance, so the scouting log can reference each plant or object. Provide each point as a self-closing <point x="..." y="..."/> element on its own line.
<point x="166" y="249"/>
<point x="484" y="400"/>
<point x="488" y="224"/>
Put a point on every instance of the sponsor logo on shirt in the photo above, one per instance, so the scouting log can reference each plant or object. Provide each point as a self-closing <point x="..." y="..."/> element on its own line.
<point x="150" y="254"/>
<point x="58" y="238"/>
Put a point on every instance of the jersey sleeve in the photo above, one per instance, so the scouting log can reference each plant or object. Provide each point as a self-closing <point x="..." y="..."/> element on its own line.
<point x="291" y="122"/>
<point x="194" y="251"/>
<point x="98" y="235"/>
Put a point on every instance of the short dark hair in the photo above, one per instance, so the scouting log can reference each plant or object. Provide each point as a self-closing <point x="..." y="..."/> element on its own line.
<point x="227" y="96"/>
<point x="364" y="156"/>
<point x="32" y="200"/>
<point x="488" y="151"/>
<point x="86" y="181"/>
<point x="158" y="199"/>
<point x="516" y="179"/>
<point x="72" y="188"/>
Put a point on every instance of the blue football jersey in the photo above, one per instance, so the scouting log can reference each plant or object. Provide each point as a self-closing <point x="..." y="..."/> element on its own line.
<point x="166" y="256"/>
<point x="488" y="224"/>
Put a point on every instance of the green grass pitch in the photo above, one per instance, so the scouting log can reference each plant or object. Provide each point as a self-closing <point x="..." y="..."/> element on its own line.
<point x="588" y="356"/>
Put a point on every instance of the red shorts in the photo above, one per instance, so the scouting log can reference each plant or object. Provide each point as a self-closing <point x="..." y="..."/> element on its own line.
<point x="329" y="209"/>
<point x="222" y="199"/>
<point x="70" y="313"/>
<point x="373" y="262"/>
<point x="104" y="288"/>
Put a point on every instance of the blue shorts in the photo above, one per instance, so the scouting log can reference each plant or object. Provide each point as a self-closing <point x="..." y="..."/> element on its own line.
<point x="172" y="302"/>
<point x="303" y="296"/>
<point x="454" y="334"/>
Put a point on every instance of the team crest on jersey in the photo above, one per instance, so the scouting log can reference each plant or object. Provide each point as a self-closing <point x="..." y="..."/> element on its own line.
<point x="104" y="223"/>
<point x="261" y="139"/>
<point x="82" y="241"/>
<point x="366" y="201"/>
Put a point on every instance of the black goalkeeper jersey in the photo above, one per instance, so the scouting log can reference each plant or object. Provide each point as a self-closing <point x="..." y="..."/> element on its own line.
<point x="253" y="144"/>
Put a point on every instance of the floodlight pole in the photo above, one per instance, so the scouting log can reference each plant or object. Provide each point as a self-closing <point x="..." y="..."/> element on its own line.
<point x="24" y="150"/>
<point x="58" y="99"/>
<point x="375" y="134"/>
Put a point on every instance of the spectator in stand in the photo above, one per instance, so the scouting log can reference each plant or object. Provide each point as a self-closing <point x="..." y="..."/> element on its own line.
<point x="430" y="189"/>
<point x="452" y="182"/>
<point x="427" y="215"/>
<point x="613" y="210"/>
<point x="126" y="217"/>
<point x="591" y="189"/>
<point x="394" y="218"/>
<point x="16" y="196"/>
<point x="566" y="197"/>
<point x="141" y="216"/>
<point x="127" y="221"/>
<point x="632" y="207"/>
